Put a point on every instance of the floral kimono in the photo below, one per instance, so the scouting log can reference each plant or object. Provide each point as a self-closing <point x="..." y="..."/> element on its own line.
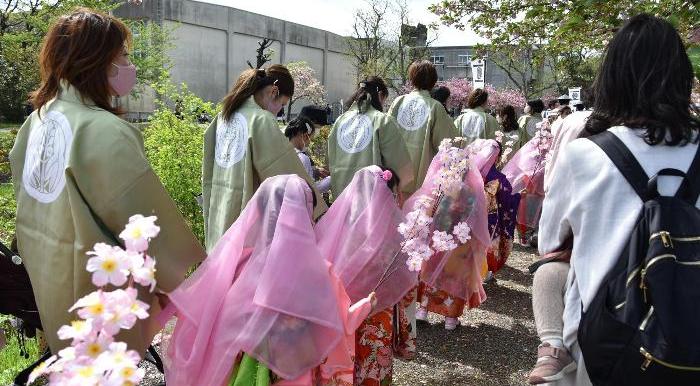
<point x="502" y="209"/>
<point x="358" y="236"/>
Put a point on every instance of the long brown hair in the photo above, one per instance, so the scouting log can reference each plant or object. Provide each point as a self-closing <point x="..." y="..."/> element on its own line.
<point x="80" y="48"/>
<point x="509" y="122"/>
<point x="253" y="80"/>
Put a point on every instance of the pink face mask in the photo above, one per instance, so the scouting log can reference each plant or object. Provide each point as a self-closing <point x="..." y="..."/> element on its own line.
<point x="124" y="80"/>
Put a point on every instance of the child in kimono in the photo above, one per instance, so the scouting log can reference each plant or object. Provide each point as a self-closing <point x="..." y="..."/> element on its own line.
<point x="254" y="306"/>
<point x="244" y="145"/>
<point x="452" y="280"/>
<point x="358" y="236"/>
<point x="299" y="132"/>
<point x="423" y="120"/>
<point x="364" y="135"/>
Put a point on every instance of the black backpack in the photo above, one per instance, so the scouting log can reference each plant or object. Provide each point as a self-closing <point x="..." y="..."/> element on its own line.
<point x="643" y="326"/>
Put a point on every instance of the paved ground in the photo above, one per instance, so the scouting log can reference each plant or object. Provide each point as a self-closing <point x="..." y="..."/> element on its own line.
<point x="495" y="345"/>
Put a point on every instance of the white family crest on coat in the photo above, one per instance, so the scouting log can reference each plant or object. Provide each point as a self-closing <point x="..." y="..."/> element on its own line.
<point x="231" y="140"/>
<point x="46" y="157"/>
<point x="473" y="124"/>
<point x="355" y="133"/>
<point x="413" y="113"/>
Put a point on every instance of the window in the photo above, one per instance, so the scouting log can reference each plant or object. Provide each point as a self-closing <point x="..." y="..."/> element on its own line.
<point x="464" y="60"/>
<point x="437" y="59"/>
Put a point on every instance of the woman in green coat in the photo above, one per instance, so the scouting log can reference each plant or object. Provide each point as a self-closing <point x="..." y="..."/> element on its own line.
<point x="475" y="122"/>
<point x="244" y="145"/>
<point x="424" y="121"/>
<point x="365" y="136"/>
<point x="79" y="172"/>
<point x="528" y="121"/>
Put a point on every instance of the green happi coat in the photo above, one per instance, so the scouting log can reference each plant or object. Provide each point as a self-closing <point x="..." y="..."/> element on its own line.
<point x="528" y="128"/>
<point x="79" y="173"/>
<point x="238" y="155"/>
<point x="477" y="123"/>
<point x="368" y="138"/>
<point x="424" y="124"/>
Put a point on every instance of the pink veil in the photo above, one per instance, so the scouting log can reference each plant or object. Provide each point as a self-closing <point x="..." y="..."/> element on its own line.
<point x="525" y="171"/>
<point x="359" y="236"/>
<point x="485" y="154"/>
<point x="264" y="290"/>
<point x="458" y="272"/>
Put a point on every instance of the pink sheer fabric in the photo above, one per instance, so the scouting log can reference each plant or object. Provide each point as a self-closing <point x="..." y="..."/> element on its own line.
<point x="525" y="171"/>
<point x="359" y="236"/>
<point x="264" y="290"/>
<point x="485" y="154"/>
<point x="458" y="272"/>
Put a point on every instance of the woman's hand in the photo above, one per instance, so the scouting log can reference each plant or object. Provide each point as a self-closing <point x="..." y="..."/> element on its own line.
<point x="373" y="300"/>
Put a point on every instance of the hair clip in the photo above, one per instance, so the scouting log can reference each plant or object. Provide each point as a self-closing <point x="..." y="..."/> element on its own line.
<point x="386" y="175"/>
<point x="308" y="128"/>
<point x="275" y="82"/>
<point x="363" y="84"/>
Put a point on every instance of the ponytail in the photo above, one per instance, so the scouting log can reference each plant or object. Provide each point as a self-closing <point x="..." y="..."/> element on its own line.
<point x="252" y="80"/>
<point x="369" y="89"/>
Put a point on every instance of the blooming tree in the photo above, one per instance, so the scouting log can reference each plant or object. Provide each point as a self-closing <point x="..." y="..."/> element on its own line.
<point x="94" y="357"/>
<point x="306" y="86"/>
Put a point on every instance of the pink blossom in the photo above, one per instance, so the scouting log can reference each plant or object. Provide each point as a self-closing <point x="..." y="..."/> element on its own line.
<point x="109" y="265"/>
<point x="143" y="270"/>
<point x="138" y="232"/>
<point x="78" y="330"/>
<point x="442" y="241"/>
<point x="462" y="231"/>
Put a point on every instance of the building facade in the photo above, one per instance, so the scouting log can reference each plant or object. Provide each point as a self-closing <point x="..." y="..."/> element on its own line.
<point x="455" y="62"/>
<point x="213" y="44"/>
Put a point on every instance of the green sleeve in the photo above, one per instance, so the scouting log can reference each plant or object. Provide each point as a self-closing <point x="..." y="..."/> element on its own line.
<point x="443" y="127"/>
<point x="250" y="372"/>
<point x="273" y="155"/>
<point x="395" y="155"/>
<point x="492" y="126"/>
<point x="393" y="109"/>
<point x="208" y="167"/>
<point x="117" y="182"/>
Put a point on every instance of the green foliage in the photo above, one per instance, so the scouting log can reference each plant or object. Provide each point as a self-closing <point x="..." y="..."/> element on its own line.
<point x="150" y="53"/>
<point x="568" y="36"/>
<point x="319" y="146"/>
<point x="174" y="146"/>
<point x="7" y="140"/>
<point x="8" y="209"/>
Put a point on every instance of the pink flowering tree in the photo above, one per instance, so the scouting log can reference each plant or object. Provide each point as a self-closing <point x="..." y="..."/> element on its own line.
<point x="460" y="88"/>
<point x="306" y="86"/>
<point x="506" y="96"/>
<point x="94" y="357"/>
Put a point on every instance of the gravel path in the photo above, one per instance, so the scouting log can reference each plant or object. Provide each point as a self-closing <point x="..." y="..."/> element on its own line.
<point x="495" y="345"/>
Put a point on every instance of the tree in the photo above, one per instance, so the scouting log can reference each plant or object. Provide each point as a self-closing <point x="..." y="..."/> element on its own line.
<point x="384" y="42"/>
<point x="306" y="86"/>
<point x="264" y="55"/>
<point x="568" y="35"/>
<point x="23" y="25"/>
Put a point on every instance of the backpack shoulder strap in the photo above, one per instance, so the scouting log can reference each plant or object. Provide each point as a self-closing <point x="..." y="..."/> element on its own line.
<point x="625" y="162"/>
<point x="693" y="177"/>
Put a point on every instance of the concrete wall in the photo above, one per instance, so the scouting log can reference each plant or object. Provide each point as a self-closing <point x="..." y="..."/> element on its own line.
<point x="213" y="43"/>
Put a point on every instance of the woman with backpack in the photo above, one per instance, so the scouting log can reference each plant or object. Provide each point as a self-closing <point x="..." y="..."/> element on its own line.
<point x="642" y="107"/>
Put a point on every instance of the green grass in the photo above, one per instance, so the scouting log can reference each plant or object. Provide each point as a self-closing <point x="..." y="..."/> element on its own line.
<point x="11" y="362"/>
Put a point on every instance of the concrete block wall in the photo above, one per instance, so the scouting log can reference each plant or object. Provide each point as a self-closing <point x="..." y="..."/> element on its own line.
<point x="213" y="43"/>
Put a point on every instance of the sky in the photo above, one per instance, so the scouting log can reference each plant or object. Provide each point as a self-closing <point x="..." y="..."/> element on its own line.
<point x="337" y="16"/>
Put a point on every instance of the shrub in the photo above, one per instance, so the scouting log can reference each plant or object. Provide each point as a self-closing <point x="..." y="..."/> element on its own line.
<point x="174" y="146"/>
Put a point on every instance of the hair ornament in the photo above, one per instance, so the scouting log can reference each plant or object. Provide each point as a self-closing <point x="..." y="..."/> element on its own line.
<point x="386" y="175"/>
